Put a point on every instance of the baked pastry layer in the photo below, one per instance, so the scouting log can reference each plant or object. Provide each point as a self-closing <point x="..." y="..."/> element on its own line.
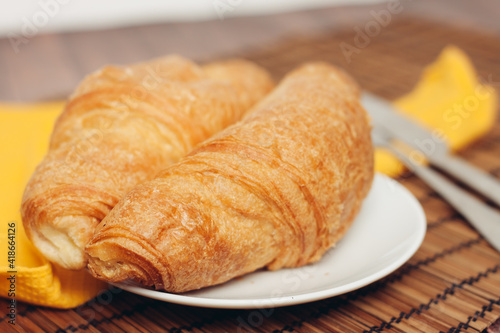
<point x="275" y="190"/>
<point x="121" y="126"/>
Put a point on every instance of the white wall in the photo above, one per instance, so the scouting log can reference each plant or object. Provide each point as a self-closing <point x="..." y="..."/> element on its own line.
<point x="19" y="16"/>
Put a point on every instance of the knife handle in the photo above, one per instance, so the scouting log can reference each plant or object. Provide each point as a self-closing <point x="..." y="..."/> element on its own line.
<point x="485" y="219"/>
<point x="470" y="175"/>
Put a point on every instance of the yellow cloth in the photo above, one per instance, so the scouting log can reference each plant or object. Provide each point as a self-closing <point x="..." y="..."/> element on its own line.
<point x="448" y="99"/>
<point x="25" y="129"/>
<point x="24" y="137"/>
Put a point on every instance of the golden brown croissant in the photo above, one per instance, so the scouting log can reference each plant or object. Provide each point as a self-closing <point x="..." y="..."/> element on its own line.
<point x="275" y="190"/>
<point x="121" y="126"/>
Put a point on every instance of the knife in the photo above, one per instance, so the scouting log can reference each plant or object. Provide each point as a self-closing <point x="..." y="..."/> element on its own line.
<point x="485" y="219"/>
<point x="385" y="115"/>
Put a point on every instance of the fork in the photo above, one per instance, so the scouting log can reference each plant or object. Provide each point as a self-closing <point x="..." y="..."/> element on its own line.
<point x="384" y="115"/>
<point x="483" y="218"/>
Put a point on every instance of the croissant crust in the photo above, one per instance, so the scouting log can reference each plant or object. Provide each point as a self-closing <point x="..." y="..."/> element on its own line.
<point x="121" y="126"/>
<point x="275" y="190"/>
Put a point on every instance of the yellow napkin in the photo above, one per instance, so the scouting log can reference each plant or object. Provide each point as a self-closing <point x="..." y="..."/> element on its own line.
<point x="25" y="130"/>
<point x="24" y="137"/>
<point x="450" y="100"/>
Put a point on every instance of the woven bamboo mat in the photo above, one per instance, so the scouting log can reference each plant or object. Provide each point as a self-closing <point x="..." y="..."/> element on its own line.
<point x="452" y="284"/>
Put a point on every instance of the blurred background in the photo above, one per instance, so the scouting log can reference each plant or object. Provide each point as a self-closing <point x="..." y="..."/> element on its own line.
<point x="47" y="46"/>
<point x="93" y="14"/>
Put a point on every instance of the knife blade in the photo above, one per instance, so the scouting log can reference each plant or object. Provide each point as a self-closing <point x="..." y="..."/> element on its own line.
<point x="385" y="115"/>
<point x="482" y="217"/>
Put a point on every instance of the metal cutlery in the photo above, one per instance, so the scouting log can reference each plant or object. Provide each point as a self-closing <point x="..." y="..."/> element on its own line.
<point x="435" y="150"/>
<point x="394" y="132"/>
<point x="485" y="219"/>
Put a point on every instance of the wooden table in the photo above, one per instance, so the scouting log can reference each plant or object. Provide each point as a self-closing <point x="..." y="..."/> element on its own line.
<point x="452" y="284"/>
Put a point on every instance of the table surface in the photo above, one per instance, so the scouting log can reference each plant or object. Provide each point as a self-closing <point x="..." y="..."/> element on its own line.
<point x="452" y="283"/>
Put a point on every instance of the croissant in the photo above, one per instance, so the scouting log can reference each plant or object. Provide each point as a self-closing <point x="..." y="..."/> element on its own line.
<point x="275" y="190"/>
<point x="120" y="127"/>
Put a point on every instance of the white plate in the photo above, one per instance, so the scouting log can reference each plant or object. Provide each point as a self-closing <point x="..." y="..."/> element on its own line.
<point x="386" y="233"/>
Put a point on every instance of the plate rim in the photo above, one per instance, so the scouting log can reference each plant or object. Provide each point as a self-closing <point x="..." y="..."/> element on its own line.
<point x="272" y="302"/>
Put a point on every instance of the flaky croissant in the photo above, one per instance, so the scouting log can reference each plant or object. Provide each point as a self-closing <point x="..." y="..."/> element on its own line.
<point x="275" y="190"/>
<point x="121" y="127"/>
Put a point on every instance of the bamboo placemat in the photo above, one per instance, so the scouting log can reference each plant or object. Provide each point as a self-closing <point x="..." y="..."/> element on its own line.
<point x="452" y="284"/>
